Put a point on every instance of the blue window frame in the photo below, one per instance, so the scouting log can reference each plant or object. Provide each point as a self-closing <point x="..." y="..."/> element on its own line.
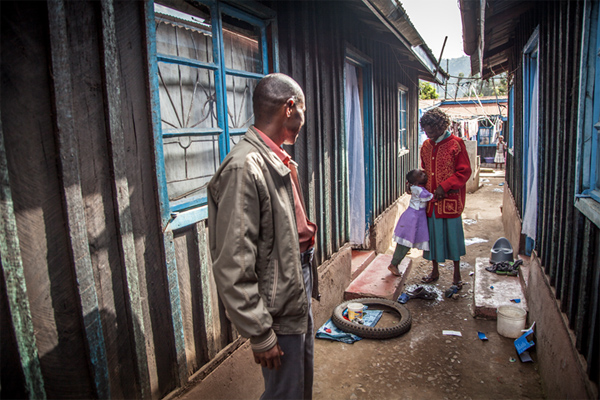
<point x="511" y="119"/>
<point x="205" y="61"/>
<point x="402" y="119"/>
<point x="485" y="136"/>
<point x="588" y="168"/>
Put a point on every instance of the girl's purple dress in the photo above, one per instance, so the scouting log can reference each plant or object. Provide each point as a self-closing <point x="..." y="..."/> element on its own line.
<point x="411" y="229"/>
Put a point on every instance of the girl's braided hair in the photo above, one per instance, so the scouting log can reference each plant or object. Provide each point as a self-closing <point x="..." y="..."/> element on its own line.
<point x="436" y="118"/>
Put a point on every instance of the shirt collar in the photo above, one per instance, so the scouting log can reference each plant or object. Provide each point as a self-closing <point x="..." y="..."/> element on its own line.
<point x="444" y="136"/>
<point x="281" y="153"/>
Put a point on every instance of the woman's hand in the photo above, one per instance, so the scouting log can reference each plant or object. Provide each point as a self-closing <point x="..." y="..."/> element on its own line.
<point x="439" y="193"/>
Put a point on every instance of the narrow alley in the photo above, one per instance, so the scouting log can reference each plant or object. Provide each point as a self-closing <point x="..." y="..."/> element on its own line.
<point x="424" y="363"/>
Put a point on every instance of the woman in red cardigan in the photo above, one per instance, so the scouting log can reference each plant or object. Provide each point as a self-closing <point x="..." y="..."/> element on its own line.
<point x="445" y="160"/>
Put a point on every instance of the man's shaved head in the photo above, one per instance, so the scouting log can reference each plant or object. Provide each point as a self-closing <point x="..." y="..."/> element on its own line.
<point x="272" y="92"/>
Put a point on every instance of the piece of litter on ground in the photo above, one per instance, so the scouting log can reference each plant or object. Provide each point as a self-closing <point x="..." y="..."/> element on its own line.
<point x="485" y="180"/>
<point x="515" y="300"/>
<point x="451" y="333"/>
<point x="501" y="184"/>
<point x="474" y="240"/>
<point x="521" y="343"/>
<point x="525" y="357"/>
<point x="491" y="287"/>
<point x="403" y="298"/>
<point x="482" y="336"/>
<point x="512" y="359"/>
<point x="471" y="273"/>
<point x="469" y="221"/>
<point x="498" y="190"/>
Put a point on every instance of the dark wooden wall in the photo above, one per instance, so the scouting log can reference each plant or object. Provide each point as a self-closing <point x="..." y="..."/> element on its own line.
<point x="101" y="301"/>
<point x="568" y="243"/>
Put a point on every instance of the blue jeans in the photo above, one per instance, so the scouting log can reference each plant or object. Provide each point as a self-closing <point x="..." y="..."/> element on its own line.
<point x="294" y="380"/>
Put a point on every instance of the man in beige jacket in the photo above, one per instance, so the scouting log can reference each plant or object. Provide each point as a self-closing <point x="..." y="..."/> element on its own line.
<point x="261" y="241"/>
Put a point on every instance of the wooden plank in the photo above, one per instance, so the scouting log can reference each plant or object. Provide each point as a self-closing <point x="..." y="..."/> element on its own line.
<point x="175" y="307"/>
<point x="210" y="298"/>
<point x="167" y="238"/>
<point x="73" y="200"/>
<point x="125" y="238"/>
<point x="585" y="291"/>
<point x="16" y="289"/>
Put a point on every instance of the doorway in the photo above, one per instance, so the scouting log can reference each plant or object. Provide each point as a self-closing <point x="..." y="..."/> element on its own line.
<point x="358" y="125"/>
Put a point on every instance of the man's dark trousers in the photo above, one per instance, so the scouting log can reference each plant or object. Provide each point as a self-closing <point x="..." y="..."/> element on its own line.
<point x="294" y="380"/>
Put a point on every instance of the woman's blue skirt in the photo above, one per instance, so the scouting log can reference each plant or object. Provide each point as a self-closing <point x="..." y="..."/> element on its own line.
<point x="446" y="239"/>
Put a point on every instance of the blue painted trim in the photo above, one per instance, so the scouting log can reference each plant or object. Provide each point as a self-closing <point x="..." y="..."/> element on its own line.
<point x="529" y="70"/>
<point x="183" y="205"/>
<point x="275" y="39"/>
<point x="169" y="133"/>
<point x="465" y="102"/>
<point x="264" y="49"/>
<point x="159" y="157"/>
<point x="222" y="93"/>
<point x="529" y="245"/>
<point x="187" y="218"/>
<point x="243" y="74"/>
<point x="594" y="162"/>
<point x="511" y="117"/>
<point x="234" y="12"/>
<point x="185" y="61"/>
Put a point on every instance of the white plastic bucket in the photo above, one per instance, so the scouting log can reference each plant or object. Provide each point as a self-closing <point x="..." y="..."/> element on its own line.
<point x="355" y="311"/>
<point x="511" y="320"/>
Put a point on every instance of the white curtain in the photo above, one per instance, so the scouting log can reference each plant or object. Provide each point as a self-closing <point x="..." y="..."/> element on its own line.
<point x="530" y="217"/>
<point x="356" y="162"/>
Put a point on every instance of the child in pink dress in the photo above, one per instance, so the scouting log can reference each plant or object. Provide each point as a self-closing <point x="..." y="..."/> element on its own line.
<point x="411" y="229"/>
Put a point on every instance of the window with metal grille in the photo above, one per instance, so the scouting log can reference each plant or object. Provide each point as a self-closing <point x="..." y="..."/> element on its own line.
<point x="588" y="168"/>
<point x="209" y="58"/>
<point x="402" y="120"/>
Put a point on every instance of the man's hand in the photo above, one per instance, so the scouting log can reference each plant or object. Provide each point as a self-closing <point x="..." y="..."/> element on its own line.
<point x="439" y="193"/>
<point x="270" y="358"/>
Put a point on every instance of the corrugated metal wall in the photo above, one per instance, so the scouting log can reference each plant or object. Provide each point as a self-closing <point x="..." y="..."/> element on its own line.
<point x="567" y="242"/>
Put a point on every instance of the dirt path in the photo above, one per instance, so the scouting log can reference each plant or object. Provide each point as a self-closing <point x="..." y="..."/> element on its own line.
<point x="423" y="363"/>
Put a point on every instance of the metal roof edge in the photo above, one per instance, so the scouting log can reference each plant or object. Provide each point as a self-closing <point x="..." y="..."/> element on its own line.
<point x="394" y="17"/>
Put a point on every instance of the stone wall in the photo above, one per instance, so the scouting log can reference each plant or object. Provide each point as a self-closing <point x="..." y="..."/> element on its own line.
<point x="473" y="183"/>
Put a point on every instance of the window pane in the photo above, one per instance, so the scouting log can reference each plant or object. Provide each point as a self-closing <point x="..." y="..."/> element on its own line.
<point x="184" y="35"/>
<point x="239" y="101"/>
<point x="242" y="45"/>
<point x="190" y="162"/>
<point x="187" y="97"/>
<point x="235" y="139"/>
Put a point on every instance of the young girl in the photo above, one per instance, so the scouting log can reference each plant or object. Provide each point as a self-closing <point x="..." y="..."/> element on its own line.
<point x="411" y="229"/>
<point x="500" y="148"/>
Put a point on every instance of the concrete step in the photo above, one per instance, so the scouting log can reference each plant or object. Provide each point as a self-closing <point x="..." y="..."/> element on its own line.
<point x="491" y="290"/>
<point x="377" y="281"/>
<point x="360" y="260"/>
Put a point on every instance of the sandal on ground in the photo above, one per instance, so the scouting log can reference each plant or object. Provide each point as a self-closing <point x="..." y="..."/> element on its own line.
<point x="458" y="285"/>
<point x="421" y="293"/>
<point x="430" y="279"/>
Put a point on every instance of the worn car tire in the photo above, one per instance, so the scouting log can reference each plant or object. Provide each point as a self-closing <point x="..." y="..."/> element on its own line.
<point x="373" y="332"/>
